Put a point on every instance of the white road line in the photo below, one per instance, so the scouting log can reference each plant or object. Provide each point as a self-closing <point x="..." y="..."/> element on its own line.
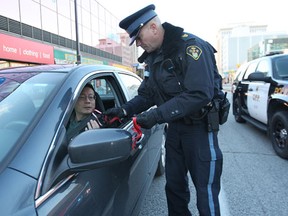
<point x="224" y="208"/>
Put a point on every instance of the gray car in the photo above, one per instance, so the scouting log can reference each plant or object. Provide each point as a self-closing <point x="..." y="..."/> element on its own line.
<point x="100" y="172"/>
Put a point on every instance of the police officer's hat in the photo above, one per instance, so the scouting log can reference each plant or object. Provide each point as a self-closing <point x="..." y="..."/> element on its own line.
<point x="133" y="23"/>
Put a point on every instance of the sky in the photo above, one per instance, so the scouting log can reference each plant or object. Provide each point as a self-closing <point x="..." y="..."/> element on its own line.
<point x="205" y="17"/>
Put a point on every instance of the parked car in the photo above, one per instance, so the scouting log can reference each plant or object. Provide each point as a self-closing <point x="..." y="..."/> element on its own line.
<point x="260" y="97"/>
<point x="100" y="172"/>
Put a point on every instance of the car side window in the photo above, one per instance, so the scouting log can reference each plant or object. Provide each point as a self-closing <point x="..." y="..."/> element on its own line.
<point x="251" y="68"/>
<point x="240" y="72"/>
<point x="106" y="92"/>
<point x="281" y="68"/>
<point x="132" y="84"/>
<point x="102" y="87"/>
<point x="263" y="67"/>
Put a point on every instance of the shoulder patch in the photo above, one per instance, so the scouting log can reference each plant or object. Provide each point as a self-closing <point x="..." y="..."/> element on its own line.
<point x="194" y="51"/>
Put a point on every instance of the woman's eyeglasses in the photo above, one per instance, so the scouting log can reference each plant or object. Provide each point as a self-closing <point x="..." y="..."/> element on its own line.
<point x="84" y="97"/>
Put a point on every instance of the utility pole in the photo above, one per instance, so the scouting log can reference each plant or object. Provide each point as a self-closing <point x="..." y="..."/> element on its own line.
<point x="78" y="55"/>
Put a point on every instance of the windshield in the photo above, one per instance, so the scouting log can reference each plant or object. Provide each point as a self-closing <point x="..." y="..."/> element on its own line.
<point x="21" y="96"/>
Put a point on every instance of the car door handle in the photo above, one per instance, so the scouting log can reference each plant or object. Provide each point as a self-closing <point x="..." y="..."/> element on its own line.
<point x="140" y="140"/>
<point x="138" y="137"/>
<point x="250" y="89"/>
<point x="138" y="143"/>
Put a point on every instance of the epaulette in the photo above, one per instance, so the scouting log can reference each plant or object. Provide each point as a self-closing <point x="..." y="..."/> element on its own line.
<point x="187" y="36"/>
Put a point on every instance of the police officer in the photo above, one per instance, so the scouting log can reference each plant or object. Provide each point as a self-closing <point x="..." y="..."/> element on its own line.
<point x="181" y="78"/>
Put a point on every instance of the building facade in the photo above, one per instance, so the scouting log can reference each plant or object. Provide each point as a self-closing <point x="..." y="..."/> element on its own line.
<point x="268" y="46"/>
<point x="235" y="42"/>
<point x="49" y="26"/>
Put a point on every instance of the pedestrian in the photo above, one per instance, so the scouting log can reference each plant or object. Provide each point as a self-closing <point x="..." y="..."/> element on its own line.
<point x="182" y="79"/>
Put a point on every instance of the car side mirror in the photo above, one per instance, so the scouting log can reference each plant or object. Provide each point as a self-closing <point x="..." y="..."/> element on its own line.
<point x="97" y="148"/>
<point x="258" y="76"/>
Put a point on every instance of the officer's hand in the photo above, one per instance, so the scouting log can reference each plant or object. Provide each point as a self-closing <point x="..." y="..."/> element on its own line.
<point x="119" y="112"/>
<point x="147" y="119"/>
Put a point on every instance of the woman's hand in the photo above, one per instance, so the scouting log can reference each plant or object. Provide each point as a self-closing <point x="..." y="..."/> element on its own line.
<point x="92" y="124"/>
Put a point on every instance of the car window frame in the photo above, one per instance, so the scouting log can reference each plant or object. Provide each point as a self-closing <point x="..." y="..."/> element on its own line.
<point x="275" y="68"/>
<point x="250" y="69"/>
<point x="44" y="188"/>
<point x="266" y="63"/>
<point x="240" y="72"/>
<point x="131" y="82"/>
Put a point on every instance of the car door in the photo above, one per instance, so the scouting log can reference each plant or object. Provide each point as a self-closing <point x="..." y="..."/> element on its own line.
<point x="257" y="97"/>
<point x="243" y="88"/>
<point x="126" y="85"/>
<point x="150" y="135"/>
<point x="152" y="144"/>
<point x="109" y="190"/>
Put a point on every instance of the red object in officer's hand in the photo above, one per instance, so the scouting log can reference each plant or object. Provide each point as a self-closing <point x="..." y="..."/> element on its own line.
<point x="137" y="129"/>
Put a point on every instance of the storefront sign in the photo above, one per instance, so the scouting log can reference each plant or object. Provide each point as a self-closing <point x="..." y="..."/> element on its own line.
<point x="18" y="49"/>
<point x="62" y="57"/>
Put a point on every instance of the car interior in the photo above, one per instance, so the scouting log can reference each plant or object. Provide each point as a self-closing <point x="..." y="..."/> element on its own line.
<point x="107" y="96"/>
<point x="281" y="68"/>
<point x="99" y="103"/>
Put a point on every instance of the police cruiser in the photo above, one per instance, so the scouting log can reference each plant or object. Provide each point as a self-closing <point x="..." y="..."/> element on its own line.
<point x="260" y="97"/>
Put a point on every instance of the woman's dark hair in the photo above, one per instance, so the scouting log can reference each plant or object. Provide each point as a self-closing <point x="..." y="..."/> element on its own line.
<point x="89" y="85"/>
<point x="99" y="104"/>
